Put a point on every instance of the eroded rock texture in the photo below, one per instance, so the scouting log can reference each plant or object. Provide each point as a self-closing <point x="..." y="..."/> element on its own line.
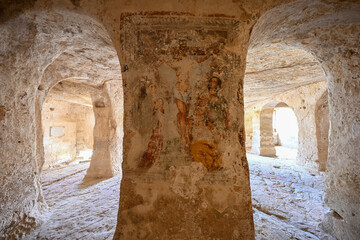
<point x="275" y="69"/>
<point x="38" y="50"/>
<point x="185" y="171"/>
<point x="334" y="40"/>
<point x="322" y="130"/>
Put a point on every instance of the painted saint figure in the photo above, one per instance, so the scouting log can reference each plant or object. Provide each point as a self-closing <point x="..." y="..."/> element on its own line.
<point x="182" y="65"/>
<point x="208" y="126"/>
<point x="155" y="145"/>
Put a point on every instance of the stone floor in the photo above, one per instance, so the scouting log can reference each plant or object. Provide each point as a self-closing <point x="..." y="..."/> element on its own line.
<point x="287" y="201"/>
<point x="77" y="209"/>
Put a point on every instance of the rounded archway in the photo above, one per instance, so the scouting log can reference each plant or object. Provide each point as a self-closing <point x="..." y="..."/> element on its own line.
<point x="82" y="76"/>
<point x="56" y="45"/>
<point x="332" y="37"/>
<point x="67" y="123"/>
<point x="278" y="127"/>
<point x="285" y="129"/>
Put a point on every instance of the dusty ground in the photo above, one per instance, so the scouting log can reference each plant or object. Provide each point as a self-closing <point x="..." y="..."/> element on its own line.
<point x="77" y="209"/>
<point x="287" y="199"/>
<point x="287" y="202"/>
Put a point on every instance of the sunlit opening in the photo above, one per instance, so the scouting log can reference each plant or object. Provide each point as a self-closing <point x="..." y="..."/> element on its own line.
<point x="285" y="132"/>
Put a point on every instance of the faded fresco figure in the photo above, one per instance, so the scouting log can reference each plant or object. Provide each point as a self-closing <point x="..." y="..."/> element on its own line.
<point x="154" y="148"/>
<point x="156" y="143"/>
<point x="208" y="126"/>
<point x="182" y="66"/>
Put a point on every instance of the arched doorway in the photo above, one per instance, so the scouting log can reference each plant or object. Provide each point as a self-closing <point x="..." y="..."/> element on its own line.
<point x="278" y="130"/>
<point x="280" y="186"/>
<point x="67" y="123"/>
<point x="337" y="59"/>
<point x="58" y="44"/>
<point x="285" y="131"/>
<point x="81" y="159"/>
<point x="89" y="73"/>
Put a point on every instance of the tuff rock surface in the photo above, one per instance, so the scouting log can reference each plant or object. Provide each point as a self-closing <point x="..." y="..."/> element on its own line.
<point x="181" y="116"/>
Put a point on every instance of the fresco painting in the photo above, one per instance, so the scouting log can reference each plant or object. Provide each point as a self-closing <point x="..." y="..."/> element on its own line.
<point x="187" y="70"/>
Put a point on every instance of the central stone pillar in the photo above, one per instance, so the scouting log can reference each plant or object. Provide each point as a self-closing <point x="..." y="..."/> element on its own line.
<point x="185" y="173"/>
<point x="267" y="145"/>
<point x="263" y="138"/>
<point x="107" y="103"/>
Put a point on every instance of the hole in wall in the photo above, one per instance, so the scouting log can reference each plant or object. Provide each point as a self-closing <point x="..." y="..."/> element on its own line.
<point x="336" y="215"/>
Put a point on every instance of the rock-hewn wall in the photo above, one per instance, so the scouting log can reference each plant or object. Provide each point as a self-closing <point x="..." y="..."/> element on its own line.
<point x="267" y="141"/>
<point x="334" y="40"/>
<point x="62" y="33"/>
<point x="342" y="190"/>
<point x="322" y="130"/>
<point x="29" y="43"/>
<point x="248" y="131"/>
<point x="32" y="40"/>
<point x="108" y="132"/>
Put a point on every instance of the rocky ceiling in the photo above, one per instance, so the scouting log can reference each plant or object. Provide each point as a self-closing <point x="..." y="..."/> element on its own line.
<point x="276" y="69"/>
<point x="92" y="66"/>
<point x="70" y="92"/>
<point x="81" y="70"/>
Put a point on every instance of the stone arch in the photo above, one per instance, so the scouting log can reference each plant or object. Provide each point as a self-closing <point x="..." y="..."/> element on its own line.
<point x="50" y="37"/>
<point x="67" y="118"/>
<point x="322" y="129"/>
<point x="267" y="144"/>
<point x="331" y="38"/>
<point x="276" y="70"/>
<point x="105" y="88"/>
